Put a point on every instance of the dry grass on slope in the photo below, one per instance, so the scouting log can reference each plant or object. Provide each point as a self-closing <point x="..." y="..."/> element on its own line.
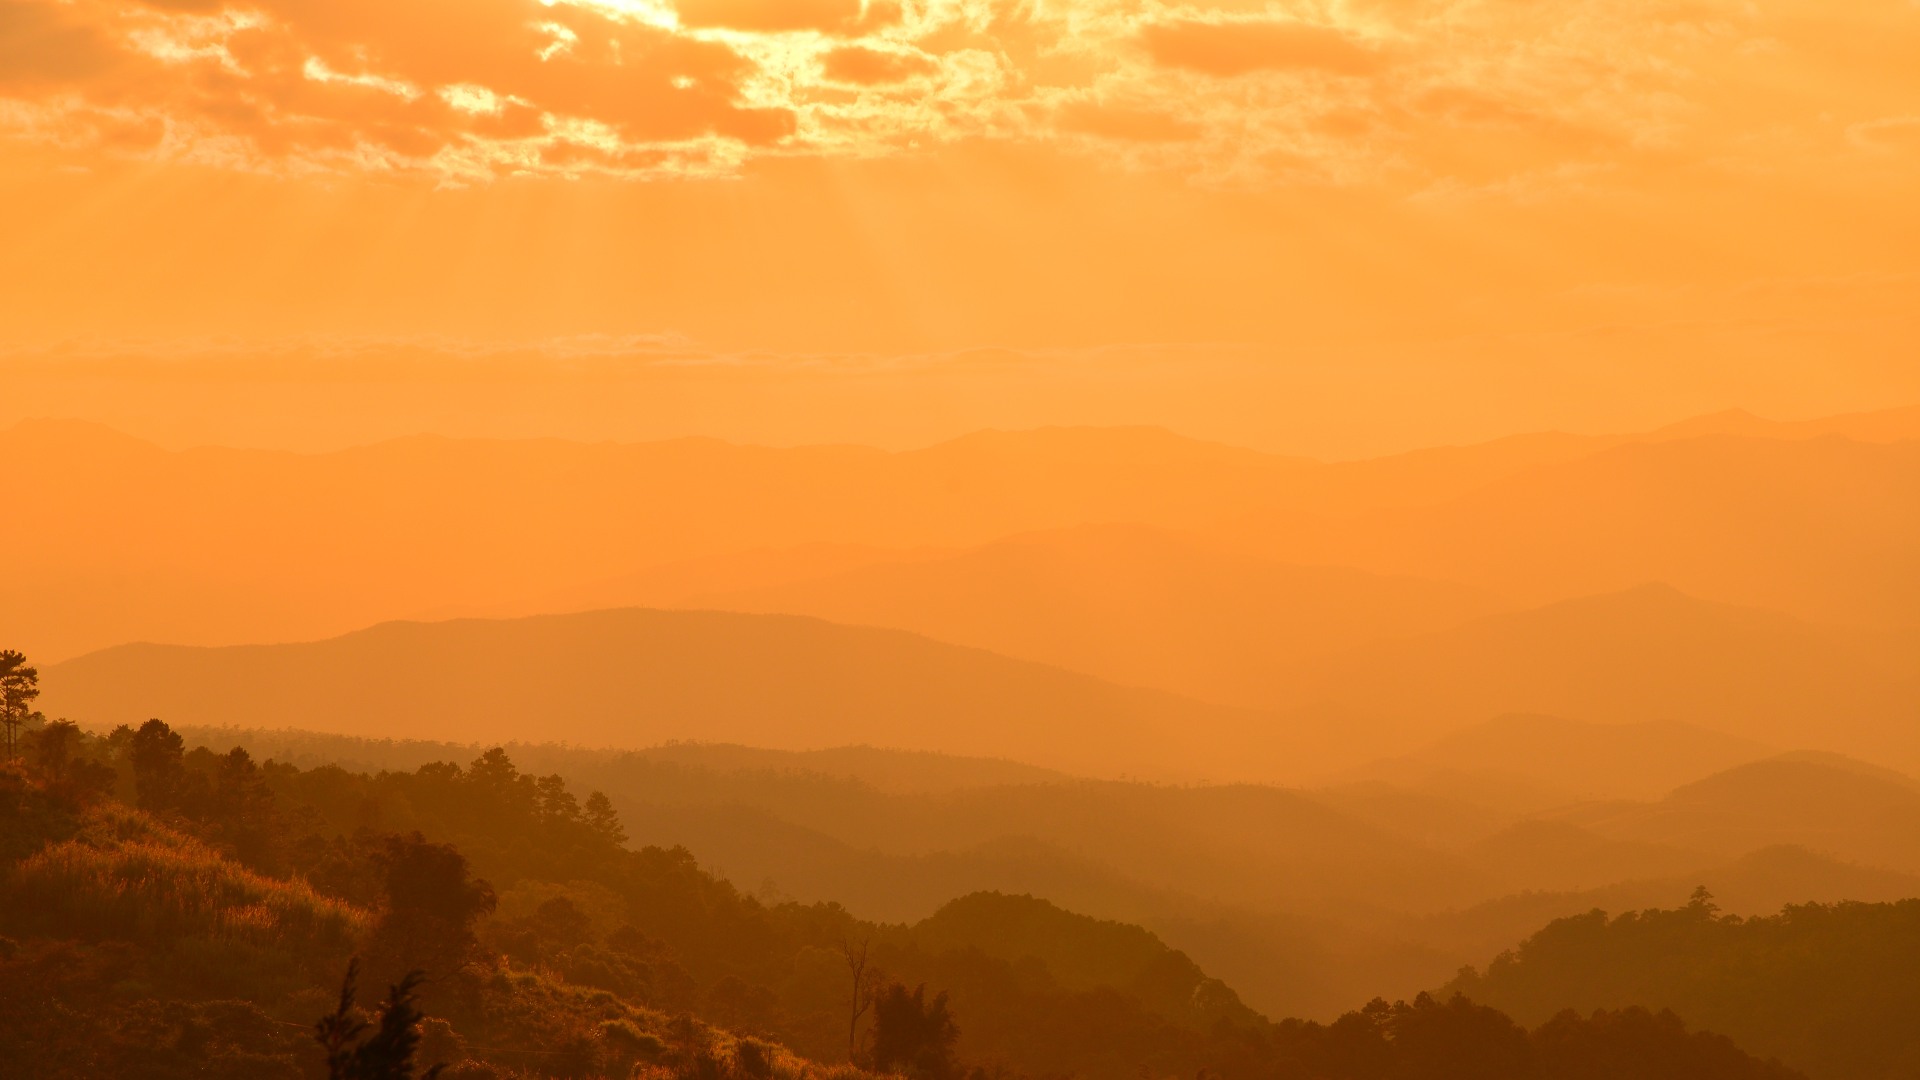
<point x="128" y="876"/>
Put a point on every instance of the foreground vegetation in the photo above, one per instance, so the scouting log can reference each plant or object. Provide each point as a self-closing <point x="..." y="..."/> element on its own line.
<point x="189" y="913"/>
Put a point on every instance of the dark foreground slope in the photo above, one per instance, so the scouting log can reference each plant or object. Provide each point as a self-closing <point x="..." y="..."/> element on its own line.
<point x="200" y="934"/>
<point x="1304" y="901"/>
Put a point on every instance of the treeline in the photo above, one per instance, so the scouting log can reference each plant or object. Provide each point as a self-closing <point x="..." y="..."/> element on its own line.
<point x="175" y="912"/>
<point x="1834" y="988"/>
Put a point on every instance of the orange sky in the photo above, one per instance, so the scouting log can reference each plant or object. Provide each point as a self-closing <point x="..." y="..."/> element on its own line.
<point x="1328" y="228"/>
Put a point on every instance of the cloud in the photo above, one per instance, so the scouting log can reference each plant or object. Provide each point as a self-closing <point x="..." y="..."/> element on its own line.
<point x="767" y="16"/>
<point x="45" y="45"/>
<point x="1888" y="133"/>
<point x="471" y="89"/>
<point x="1431" y="96"/>
<point x="1121" y="122"/>
<point x="1243" y="46"/>
<point x="859" y="64"/>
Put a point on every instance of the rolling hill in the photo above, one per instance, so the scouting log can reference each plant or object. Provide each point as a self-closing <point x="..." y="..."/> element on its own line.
<point x="1557" y="856"/>
<point x="1129" y="603"/>
<point x="1438" y="474"/>
<point x="1818" y="987"/>
<point x="1879" y="425"/>
<point x="1299" y="899"/>
<point x="213" y="546"/>
<point x="1574" y="759"/>
<point x="216" y="546"/>
<point x="1406" y="659"/>
<point x="636" y="677"/>
<point x="1823" y="528"/>
<point x="1845" y="808"/>
<point x="1646" y="654"/>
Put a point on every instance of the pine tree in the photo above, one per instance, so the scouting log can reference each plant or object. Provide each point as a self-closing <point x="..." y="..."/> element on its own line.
<point x="19" y="685"/>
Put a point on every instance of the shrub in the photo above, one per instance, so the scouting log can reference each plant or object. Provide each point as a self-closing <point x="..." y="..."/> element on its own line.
<point x="627" y="1038"/>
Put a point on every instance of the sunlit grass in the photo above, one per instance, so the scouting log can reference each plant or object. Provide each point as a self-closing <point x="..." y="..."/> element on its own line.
<point x="129" y="876"/>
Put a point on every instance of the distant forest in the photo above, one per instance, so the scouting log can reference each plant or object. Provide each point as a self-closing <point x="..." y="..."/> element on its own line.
<point x="175" y="912"/>
<point x="1831" y="987"/>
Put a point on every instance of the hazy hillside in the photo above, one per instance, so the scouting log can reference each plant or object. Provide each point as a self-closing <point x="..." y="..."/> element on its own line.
<point x="1131" y="604"/>
<point x="1414" y="656"/>
<point x="1295" y="941"/>
<point x="218" y="546"/>
<point x="233" y="899"/>
<point x="1558" y="856"/>
<point x="1243" y="843"/>
<point x="1880" y="425"/>
<point x="1259" y="846"/>
<point x="1300" y="900"/>
<point x="635" y="678"/>
<point x="1647" y="654"/>
<point x="1841" y="807"/>
<point x="1438" y="474"/>
<point x="1758" y="883"/>
<point x="578" y="942"/>
<point x="215" y="546"/>
<point x="1824" y="528"/>
<point x="1566" y="759"/>
<point x="696" y="581"/>
<point x="900" y="772"/>
<point x="840" y="825"/>
<point x="1388" y="849"/>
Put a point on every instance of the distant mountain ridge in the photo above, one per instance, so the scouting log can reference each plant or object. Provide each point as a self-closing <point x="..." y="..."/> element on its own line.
<point x="1129" y="603"/>
<point x="637" y="677"/>
<point x="1823" y="528"/>
<point x="1878" y="425"/>
<point x="219" y="546"/>
<point x="133" y="542"/>
<point x="1848" y="809"/>
<point x="1650" y="653"/>
<point x="1403" y="659"/>
<point x="1583" y="759"/>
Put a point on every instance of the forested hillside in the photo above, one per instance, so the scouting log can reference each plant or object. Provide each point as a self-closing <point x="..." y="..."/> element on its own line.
<point x="1829" y="987"/>
<point x="1304" y="900"/>
<point x="190" y="913"/>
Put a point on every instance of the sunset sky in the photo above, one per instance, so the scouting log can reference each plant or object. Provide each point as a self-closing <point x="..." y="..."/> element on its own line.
<point x="1332" y="228"/>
